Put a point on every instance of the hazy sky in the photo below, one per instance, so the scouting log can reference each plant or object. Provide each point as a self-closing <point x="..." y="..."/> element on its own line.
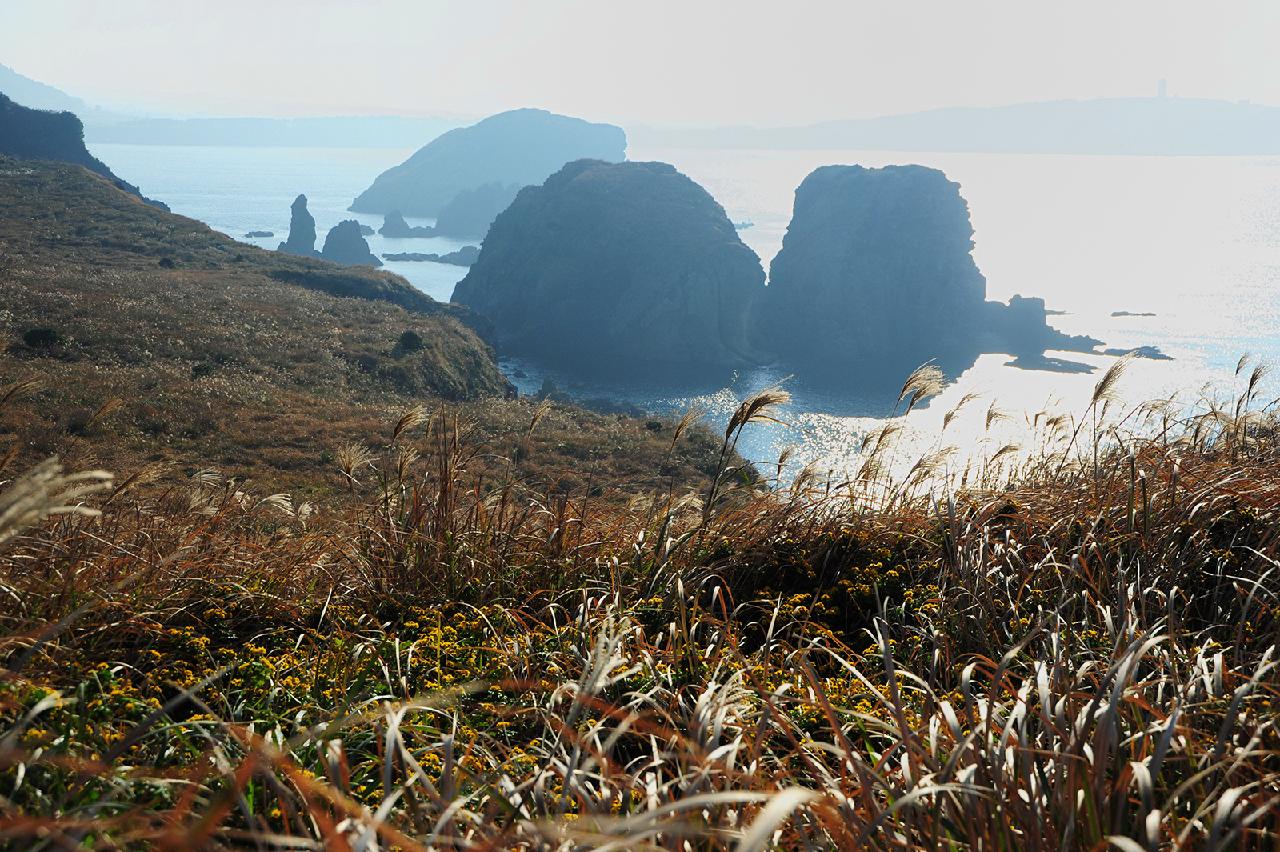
<point x="691" y="62"/>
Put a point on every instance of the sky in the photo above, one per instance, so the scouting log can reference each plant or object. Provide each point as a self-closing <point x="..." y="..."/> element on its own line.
<point x="657" y="62"/>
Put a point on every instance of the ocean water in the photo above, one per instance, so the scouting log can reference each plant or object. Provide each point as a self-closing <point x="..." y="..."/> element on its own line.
<point x="1193" y="240"/>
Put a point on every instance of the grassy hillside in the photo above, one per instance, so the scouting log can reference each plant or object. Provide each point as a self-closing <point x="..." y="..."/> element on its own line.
<point x="151" y="341"/>
<point x="503" y="625"/>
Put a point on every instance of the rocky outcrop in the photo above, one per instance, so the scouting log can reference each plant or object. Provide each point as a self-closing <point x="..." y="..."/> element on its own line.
<point x="394" y="226"/>
<point x="346" y="245"/>
<point x="259" y="235"/>
<point x="876" y="276"/>
<point x="465" y="256"/>
<point x="1021" y="328"/>
<point x="472" y="211"/>
<point x="617" y="266"/>
<point x="33" y="134"/>
<point x="520" y="147"/>
<point x="467" y="216"/>
<point x="302" y="230"/>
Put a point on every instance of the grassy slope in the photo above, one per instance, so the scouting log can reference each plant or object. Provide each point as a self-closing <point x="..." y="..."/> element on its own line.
<point x="218" y="359"/>
<point x="1081" y="650"/>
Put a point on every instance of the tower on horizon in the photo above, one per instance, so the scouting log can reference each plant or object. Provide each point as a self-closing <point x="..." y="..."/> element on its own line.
<point x="1162" y="88"/>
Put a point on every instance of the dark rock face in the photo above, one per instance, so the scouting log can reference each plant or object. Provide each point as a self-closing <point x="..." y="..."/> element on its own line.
<point x="394" y="226"/>
<point x="520" y="147"/>
<point x="33" y="134"/>
<point x="875" y="267"/>
<point x="876" y="276"/>
<point x="302" y="230"/>
<point x="472" y="211"/>
<point x="346" y="245"/>
<point x="616" y="266"/>
<point x="465" y="256"/>
<point x="1022" y="328"/>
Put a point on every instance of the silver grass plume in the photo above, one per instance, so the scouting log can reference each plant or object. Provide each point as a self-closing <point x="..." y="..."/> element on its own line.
<point x="46" y="490"/>
<point x="925" y="381"/>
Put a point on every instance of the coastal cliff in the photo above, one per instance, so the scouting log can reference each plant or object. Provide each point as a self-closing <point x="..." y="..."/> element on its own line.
<point x="33" y="134"/>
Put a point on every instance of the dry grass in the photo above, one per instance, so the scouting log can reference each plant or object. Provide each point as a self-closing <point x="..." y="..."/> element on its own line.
<point x="490" y="624"/>
<point x="1073" y="655"/>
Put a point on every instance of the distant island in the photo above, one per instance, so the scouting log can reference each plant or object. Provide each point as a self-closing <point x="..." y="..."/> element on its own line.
<point x="465" y="256"/>
<point x="519" y="147"/>
<point x="1153" y="126"/>
<point x="466" y="217"/>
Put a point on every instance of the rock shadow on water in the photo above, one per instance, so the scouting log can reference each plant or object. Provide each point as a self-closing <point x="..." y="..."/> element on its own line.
<point x="1049" y="364"/>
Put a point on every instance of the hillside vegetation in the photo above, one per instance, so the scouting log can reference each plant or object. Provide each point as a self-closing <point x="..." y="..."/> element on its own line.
<point x="144" y="340"/>
<point x="507" y="625"/>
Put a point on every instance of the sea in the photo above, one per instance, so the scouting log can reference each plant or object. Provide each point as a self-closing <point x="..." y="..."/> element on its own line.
<point x="1185" y="249"/>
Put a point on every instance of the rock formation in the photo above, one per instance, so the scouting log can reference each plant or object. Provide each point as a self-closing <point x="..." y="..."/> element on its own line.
<point x="465" y="256"/>
<point x="347" y="246"/>
<point x="472" y="211"/>
<point x="520" y="147"/>
<point x="616" y="266"/>
<point x="394" y="226"/>
<point x="33" y="134"/>
<point x="876" y="276"/>
<point x="302" y="230"/>
<point x="255" y="235"/>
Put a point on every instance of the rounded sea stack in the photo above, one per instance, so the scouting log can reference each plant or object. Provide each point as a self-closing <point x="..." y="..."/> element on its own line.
<point x="876" y="274"/>
<point x="616" y="266"/>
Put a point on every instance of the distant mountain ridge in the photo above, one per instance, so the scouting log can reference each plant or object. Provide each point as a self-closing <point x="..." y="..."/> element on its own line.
<point x="37" y="95"/>
<point x="1135" y="125"/>
<point x="386" y="131"/>
<point x="1152" y="126"/>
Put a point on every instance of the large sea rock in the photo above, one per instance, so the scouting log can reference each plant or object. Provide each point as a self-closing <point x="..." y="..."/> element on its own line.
<point x="346" y="245"/>
<point x="302" y="230"/>
<point x="520" y="147"/>
<point x="876" y="276"/>
<point x="35" y="134"/>
<point x="618" y="267"/>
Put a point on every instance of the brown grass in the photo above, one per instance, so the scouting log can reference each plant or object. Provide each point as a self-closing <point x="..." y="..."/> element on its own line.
<point x="1071" y="661"/>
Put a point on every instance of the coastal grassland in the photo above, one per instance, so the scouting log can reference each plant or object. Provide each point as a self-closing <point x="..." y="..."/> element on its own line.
<point x="148" y="344"/>
<point x="1076" y="650"/>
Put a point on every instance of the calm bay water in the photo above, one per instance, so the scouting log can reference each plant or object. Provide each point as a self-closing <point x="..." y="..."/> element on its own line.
<point x="1196" y="241"/>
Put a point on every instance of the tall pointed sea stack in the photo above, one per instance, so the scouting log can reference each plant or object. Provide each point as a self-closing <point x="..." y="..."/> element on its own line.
<point x="302" y="230"/>
<point x="614" y="266"/>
